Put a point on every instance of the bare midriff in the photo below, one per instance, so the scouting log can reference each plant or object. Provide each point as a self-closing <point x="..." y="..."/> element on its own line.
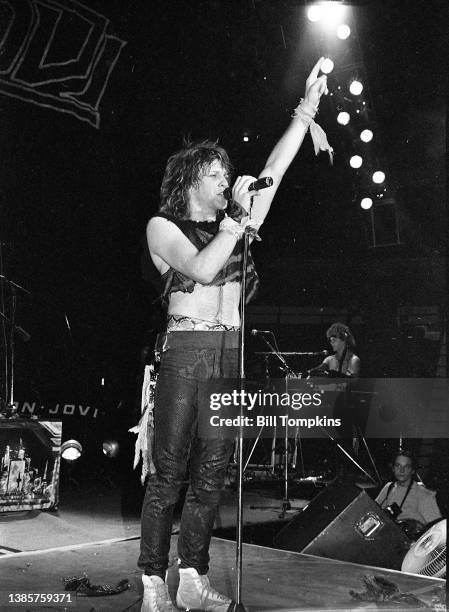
<point x="215" y="305"/>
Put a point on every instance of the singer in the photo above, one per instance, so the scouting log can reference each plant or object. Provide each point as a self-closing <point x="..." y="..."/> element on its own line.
<point x="195" y="250"/>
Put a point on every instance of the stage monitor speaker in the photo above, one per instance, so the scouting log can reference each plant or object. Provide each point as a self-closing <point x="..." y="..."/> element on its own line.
<point x="343" y="522"/>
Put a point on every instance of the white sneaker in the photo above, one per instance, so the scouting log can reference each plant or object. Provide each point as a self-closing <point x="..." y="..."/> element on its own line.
<point x="195" y="593"/>
<point x="155" y="595"/>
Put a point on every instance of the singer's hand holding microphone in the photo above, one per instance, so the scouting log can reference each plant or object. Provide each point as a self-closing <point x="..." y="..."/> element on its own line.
<point x="240" y="198"/>
<point x="245" y="188"/>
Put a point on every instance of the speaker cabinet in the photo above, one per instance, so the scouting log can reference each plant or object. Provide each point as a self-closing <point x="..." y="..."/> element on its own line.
<point x="343" y="522"/>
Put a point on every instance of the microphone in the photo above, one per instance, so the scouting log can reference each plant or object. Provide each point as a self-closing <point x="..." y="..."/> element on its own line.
<point x="227" y="194"/>
<point x="260" y="332"/>
<point x="262" y="183"/>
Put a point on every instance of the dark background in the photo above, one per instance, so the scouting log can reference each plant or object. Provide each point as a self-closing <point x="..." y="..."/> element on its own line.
<point x="75" y="199"/>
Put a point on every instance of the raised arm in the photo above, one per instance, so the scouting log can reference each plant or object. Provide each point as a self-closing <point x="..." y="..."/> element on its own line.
<point x="287" y="147"/>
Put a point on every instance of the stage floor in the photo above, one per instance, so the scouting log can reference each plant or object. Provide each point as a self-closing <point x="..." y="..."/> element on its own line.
<point x="90" y="534"/>
<point x="103" y="512"/>
<point x="273" y="580"/>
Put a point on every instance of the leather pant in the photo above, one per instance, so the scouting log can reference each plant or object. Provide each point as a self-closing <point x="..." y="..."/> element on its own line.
<point x="189" y="358"/>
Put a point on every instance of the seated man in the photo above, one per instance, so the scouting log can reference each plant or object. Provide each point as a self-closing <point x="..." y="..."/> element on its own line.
<point x="409" y="502"/>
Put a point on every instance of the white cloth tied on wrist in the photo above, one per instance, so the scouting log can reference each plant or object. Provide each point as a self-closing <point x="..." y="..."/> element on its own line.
<point x="233" y="227"/>
<point x="306" y="112"/>
<point x="237" y="229"/>
<point x="308" y="108"/>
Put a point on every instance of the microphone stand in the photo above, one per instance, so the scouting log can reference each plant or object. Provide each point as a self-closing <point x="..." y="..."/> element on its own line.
<point x="287" y="370"/>
<point x="373" y="463"/>
<point x="237" y="605"/>
<point x="340" y="447"/>
<point x="9" y="384"/>
<point x="347" y="455"/>
<point x="286" y="505"/>
<point x="12" y="345"/>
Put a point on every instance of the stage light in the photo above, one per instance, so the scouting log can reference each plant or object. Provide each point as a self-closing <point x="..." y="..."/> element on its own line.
<point x="378" y="177"/>
<point x="343" y="118"/>
<point x="71" y="450"/>
<point x="356" y="161"/>
<point x="333" y="12"/>
<point x="315" y="12"/>
<point x="366" y="135"/>
<point x="327" y="66"/>
<point x="366" y="203"/>
<point x="343" y="31"/>
<point x="330" y="12"/>
<point x="111" y="448"/>
<point x="356" y="88"/>
<point x="245" y="138"/>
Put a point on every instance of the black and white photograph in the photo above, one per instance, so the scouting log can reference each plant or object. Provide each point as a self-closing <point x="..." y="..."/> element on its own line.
<point x="223" y="305"/>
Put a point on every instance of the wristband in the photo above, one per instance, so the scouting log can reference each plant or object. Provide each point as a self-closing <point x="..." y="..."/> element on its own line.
<point x="306" y="112"/>
<point x="231" y="226"/>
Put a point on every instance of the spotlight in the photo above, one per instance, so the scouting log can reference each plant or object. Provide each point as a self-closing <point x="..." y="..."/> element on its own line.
<point x="343" y="31"/>
<point x="356" y="88"/>
<point x="356" y="161"/>
<point x="343" y="118"/>
<point x="71" y="450"/>
<point x="327" y="66"/>
<point x="366" y="203"/>
<point x="111" y="448"/>
<point x="378" y="177"/>
<point x="333" y="12"/>
<point x="366" y="135"/>
<point x="315" y="13"/>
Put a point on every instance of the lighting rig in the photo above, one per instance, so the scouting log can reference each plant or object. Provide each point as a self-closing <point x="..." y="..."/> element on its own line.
<point x="332" y="29"/>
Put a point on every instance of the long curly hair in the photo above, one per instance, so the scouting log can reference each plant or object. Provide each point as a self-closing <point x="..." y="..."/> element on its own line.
<point x="184" y="170"/>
